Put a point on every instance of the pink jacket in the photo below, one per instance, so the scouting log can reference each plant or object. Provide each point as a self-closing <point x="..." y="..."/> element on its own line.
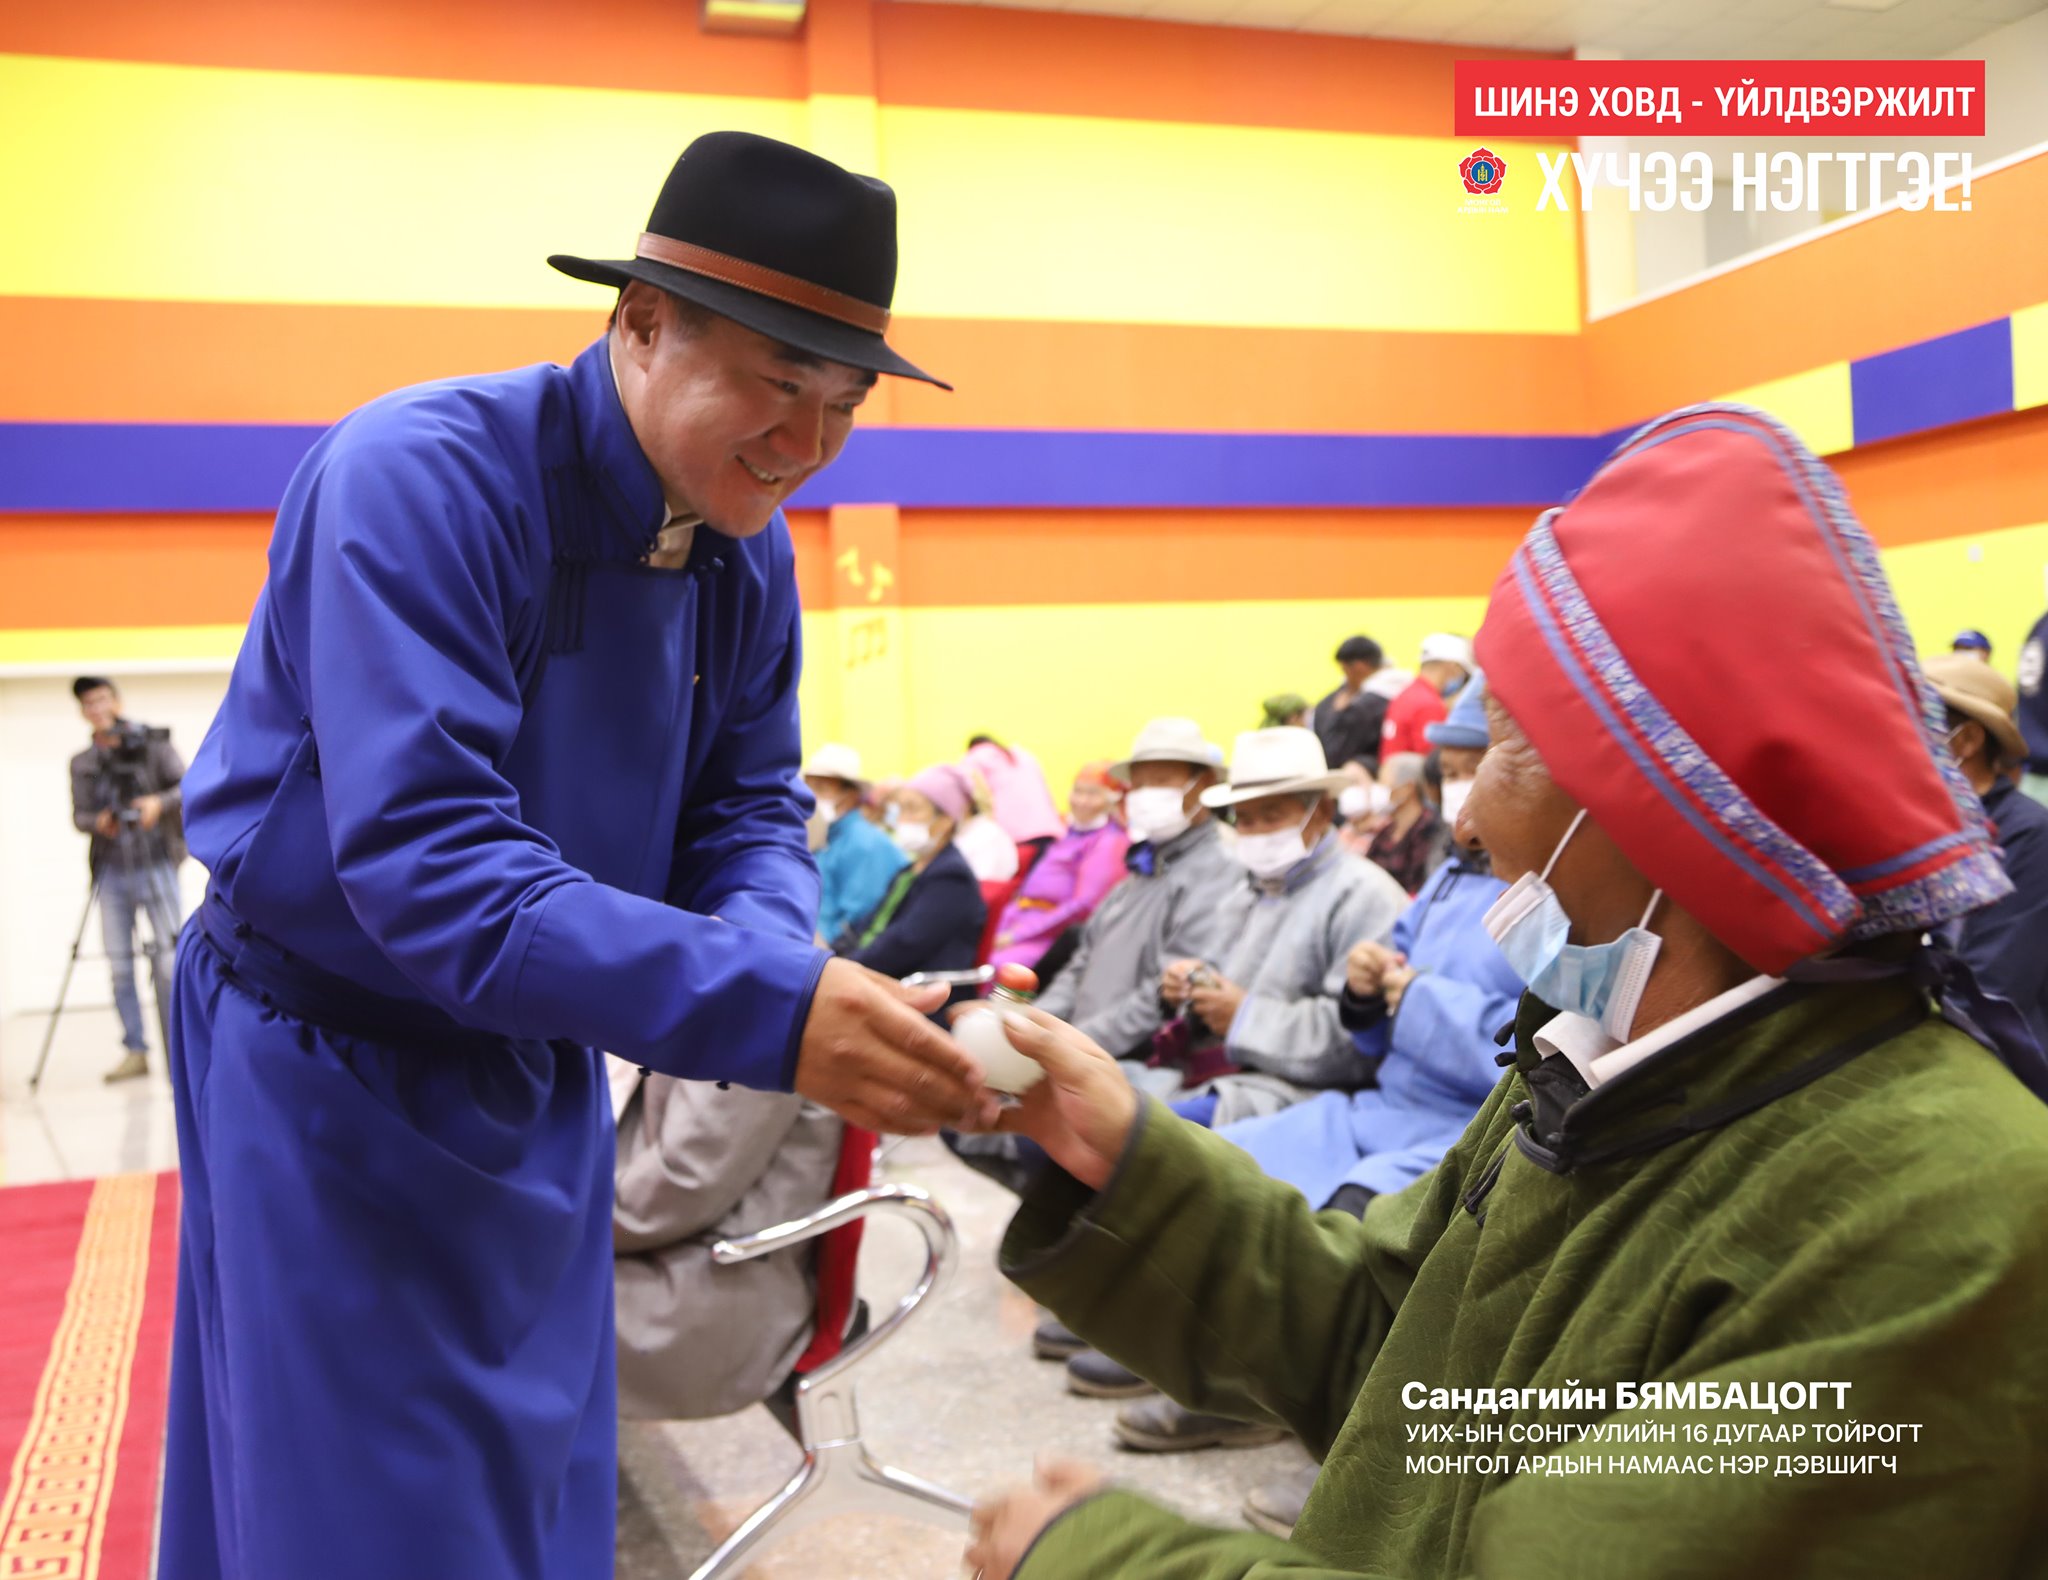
<point x="1016" y="784"/>
<point x="1060" y="891"/>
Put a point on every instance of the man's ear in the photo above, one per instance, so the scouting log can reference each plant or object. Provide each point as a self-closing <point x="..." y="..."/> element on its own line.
<point x="640" y="317"/>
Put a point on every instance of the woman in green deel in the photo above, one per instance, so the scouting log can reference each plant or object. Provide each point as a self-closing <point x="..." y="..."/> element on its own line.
<point x="1742" y="1269"/>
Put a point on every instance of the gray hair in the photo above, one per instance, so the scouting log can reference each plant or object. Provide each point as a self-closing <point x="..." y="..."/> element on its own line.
<point x="1402" y="769"/>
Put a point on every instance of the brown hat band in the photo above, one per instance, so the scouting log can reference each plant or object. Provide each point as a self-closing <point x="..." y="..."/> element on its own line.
<point x="764" y="282"/>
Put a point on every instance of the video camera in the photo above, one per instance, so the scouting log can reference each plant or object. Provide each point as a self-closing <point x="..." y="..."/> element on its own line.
<point x="123" y="764"/>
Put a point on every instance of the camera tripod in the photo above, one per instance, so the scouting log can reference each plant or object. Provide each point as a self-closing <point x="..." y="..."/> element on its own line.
<point x="135" y="849"/>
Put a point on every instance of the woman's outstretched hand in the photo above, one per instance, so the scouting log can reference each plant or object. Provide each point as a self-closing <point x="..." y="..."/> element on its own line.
<point x="1082" y="1112"/>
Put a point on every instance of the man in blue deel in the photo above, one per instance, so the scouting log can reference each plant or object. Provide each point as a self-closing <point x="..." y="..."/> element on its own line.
<point x="506" y="774"/>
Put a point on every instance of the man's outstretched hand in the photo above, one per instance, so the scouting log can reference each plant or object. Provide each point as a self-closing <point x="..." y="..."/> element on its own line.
<point x="870" y="1056"/>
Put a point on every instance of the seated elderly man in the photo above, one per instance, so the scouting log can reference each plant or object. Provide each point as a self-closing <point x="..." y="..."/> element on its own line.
<point x="1759" y="1171"/>
<point x="2005" y="944"/>
<point x="1262" y="1027"/>
<point x="1262" y="1020"/>
<point x="1422" y="1014"/>
<point x="1170" y="906"/>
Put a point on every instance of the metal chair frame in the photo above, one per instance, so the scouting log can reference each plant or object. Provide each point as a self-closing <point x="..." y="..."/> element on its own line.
<point x="838" y="1475"/>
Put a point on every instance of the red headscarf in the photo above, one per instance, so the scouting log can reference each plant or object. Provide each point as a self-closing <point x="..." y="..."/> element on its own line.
<point x="1704" y="649"/>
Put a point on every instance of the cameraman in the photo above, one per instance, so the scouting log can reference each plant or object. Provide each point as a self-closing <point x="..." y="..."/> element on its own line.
<point x="124" y="792"/>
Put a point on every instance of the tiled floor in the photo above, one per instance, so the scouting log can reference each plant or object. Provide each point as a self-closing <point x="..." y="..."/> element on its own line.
<point x="75" y="1126"/>
<point x="955" y="1398"/>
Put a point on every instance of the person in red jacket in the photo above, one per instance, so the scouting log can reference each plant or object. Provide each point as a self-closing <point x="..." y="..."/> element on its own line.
<point x="1446" y="665"/>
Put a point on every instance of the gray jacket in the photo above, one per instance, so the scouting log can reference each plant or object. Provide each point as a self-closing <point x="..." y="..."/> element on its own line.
<point x="696" y="1163"/>
<point x="1110" y="989"/>
<point x="1287" y="952"/>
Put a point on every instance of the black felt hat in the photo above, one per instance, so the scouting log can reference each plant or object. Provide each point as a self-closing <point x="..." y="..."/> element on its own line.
<point x="777" y="239"/>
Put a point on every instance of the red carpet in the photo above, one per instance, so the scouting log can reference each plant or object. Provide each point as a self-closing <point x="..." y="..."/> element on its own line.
<point x="87" y="1275"/>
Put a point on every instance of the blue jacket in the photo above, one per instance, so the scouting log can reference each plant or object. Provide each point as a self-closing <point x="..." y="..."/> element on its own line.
<point x="936" y="927"/>
<point x="2007" y="944"/>
<point x="476" y="755"/>
<point x="854" y="870"/>
<point x="1436" y="1055"/>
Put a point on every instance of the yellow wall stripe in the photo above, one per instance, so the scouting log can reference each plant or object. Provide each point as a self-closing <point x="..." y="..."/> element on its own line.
<point x="53" y="1515"/>
<point x="1039" y="216"/>
<point x="2030" y="357"/>
<point x="1989" y="581"/>
<point x="1816" y="405"/>
<point x="203" y="184"/>
<point x="1074" y="682"/>
<point x="130" y="647"/>
<point x="199" y="183"/>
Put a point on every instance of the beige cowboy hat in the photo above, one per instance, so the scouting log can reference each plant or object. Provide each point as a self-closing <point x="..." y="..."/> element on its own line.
<point x="1169" y="740"/>
<point x="1976" y="690"/>
<point x="1284" y="761"/>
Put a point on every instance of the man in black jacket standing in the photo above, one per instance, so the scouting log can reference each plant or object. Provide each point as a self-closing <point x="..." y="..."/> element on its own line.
<point x="1349" y="719"/>
<point x="124" y="792"/>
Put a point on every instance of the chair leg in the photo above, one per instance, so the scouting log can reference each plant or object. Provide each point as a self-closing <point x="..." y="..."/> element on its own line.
<point x="780" y="1515"/>
<point x="838" y="1477"/>
<point x="917" y="1499"/>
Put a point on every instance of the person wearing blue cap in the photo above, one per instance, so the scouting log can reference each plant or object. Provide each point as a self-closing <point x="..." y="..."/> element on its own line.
<point x="1457" y="743"/>
<point x="1973" y="642"/>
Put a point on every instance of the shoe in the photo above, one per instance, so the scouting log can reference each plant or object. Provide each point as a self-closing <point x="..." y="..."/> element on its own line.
<point x="1053" y="1340"/>
<point x="1276" y="1507"/>
<point x="1095" y="1376"/>
<point x="1159" y="1426"/>
<point x="134" y="1067"/>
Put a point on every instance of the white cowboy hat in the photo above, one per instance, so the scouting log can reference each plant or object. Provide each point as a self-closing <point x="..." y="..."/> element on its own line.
<point x="832" y="761"/>
<point x="1284" y="761"/>
<point x="1169" y="741"/>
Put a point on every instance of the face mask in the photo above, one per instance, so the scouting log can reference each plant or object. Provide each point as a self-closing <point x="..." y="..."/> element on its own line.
<point x="1354" y="803"/>
<point x="1603" y="982"/>
<point x="1269" y="856"/>
<point x="913" y="839"/>
<point x="1091" y="825"/>
<point x="1157" y="814"/>
<point x="828" y="813"/>
<point x="1455" y="793"/>
<point x="1454" y="685"/>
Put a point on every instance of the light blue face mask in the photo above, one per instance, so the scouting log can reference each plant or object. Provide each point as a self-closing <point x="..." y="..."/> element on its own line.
<point x="1603" y="982"/>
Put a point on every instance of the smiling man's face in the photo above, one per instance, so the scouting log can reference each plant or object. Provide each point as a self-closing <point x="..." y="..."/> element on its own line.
<point x="732" y="421"/>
